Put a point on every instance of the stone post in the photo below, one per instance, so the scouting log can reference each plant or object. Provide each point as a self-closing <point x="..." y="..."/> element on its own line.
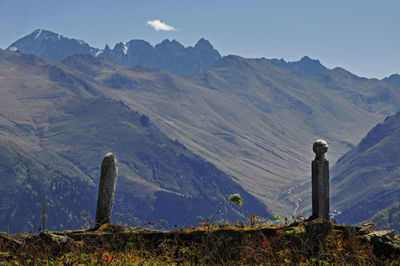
<point x="107" y="185"/>
<point x="320" y="181"/>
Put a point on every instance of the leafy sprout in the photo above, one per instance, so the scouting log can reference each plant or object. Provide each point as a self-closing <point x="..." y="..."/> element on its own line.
<point x="277" y="218"/>
<point x="236" y="199"/>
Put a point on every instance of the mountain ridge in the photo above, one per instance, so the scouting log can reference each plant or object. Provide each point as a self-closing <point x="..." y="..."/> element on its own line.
<point x="169" y="55"/>
<point x="306" y="66"/>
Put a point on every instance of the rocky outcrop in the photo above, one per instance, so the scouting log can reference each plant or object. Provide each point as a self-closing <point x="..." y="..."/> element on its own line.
<point x="385" y="242"/>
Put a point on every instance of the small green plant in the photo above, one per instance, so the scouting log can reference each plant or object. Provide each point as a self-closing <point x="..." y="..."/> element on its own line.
<point x="289" y="232"/>
<point x="182" y="250"/>
<point x="276" y="218"/>
<point x="234" y="198"/>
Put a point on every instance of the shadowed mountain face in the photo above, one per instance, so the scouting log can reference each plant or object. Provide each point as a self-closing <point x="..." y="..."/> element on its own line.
<point x="27" y="183"/>
<point x="367" y="179"/>
<point x="169" y="55"/>
<point x="53" y="117"/>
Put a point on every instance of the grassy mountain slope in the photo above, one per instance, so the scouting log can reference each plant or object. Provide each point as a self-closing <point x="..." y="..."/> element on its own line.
<point x="378" y="97"/>
<point x="366" y="179"/>
<point x="388" y="218"/>
<point x="299" y="110"/>
<point x="254" y="120"/>
<point x="63" y="119"/>
<point x="249" y="117"/>
<point x="373" y="95"/>
<point x="26" y="182"/>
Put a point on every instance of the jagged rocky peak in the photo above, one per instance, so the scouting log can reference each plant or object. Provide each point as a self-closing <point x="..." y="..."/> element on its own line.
<point x="138" y="44"/>
<point x="50" y="45"/>
<point x="203" y="44"/>
<point x="106" y="52"/>
<point x="122" y="47"/>
<point x="204" y="49"/>
<point x="309" y="61"/>
<point x="171" y="45"/>
<point x="169" y="55"/>
<point x="37" y="35"/>
<point x="45" y="35"/>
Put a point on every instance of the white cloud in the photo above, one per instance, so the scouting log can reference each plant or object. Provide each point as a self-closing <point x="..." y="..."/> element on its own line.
<point x="159" y="25"/>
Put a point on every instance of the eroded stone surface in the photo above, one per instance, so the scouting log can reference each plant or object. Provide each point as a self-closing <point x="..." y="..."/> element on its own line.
<point x="107" y="186"/>
<point x="367" y="228"/>
<point x="320" y="147"/>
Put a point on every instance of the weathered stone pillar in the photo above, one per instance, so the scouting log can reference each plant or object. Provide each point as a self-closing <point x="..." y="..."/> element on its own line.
<point x="320" y="181"/>
<point x="107" y="185"/>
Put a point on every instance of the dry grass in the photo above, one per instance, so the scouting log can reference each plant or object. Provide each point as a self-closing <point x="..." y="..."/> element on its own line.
<point x="305" y="243"/>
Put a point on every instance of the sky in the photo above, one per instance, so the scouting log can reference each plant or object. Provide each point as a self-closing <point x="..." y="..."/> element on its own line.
<point x="362" y="36"/>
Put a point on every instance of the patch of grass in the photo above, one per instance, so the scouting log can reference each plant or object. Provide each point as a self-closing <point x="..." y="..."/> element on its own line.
<point x="308" y="243"/>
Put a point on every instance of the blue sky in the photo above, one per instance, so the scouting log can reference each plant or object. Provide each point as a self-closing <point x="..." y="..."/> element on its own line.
<point x="362" y="36"/>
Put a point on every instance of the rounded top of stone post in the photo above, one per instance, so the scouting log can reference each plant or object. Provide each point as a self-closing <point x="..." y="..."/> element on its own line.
<point x="320" y="147"/>
<point x="110" y="158"/>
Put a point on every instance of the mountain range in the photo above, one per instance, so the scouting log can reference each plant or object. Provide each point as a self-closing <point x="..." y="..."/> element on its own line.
<point x="169" y="55"/>
<point x="252" y="120"/>
<point x="57" y="124"/>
